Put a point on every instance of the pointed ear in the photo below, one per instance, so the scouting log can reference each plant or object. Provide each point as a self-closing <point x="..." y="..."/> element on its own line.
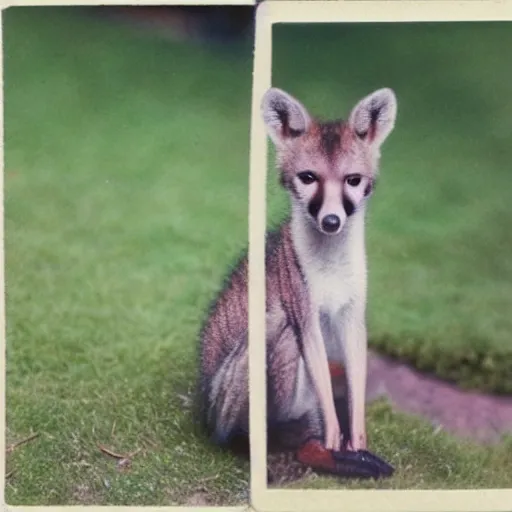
<point x="284" y="116"/>
<point x="373" y="118"/>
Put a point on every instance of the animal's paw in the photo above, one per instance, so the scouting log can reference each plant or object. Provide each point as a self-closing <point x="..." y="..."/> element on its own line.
<point x="347" y="464"/>
<point x="361" y="464"/>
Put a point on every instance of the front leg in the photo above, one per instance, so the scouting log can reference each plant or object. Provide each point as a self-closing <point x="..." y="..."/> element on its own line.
<point x="315" y="357"/>
<point x="356" y="462"/>
<point x="350" y="329"/>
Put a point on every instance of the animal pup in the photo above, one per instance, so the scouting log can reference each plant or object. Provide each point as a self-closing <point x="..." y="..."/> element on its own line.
<point x="316" y="283"/>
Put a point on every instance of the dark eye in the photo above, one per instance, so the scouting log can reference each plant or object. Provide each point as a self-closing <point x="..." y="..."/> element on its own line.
<point x="354" y="180"/>
<point x="307" y="177"/>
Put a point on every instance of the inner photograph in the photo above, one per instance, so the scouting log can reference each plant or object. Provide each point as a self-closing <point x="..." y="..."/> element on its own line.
<point x="388" y="269"/>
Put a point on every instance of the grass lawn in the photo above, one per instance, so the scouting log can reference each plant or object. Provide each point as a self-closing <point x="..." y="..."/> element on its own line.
<point x="126" y="185"/>
<point x="424" y="458"/>
<point x="439" y="242"/>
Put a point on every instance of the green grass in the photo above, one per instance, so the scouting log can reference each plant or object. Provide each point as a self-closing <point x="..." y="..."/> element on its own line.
<point x="425" y="458"/>
<point x="439" y="241"/>
<point x="126" y="185"/>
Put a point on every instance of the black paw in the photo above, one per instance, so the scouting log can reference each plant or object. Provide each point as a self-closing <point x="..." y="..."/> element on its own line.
<point x="361" y="464"/>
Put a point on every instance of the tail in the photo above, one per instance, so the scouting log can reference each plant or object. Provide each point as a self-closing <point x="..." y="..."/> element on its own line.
<point x="222" y="402"/>
<point x="237" y="442"/>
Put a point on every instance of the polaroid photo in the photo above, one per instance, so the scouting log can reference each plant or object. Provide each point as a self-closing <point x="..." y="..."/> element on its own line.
<point x="287" y="219"/>
<point x="385" y="293"/>
<point x="126" y="186"/>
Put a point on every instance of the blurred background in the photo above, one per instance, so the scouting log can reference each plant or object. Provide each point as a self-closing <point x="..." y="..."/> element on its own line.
<point x="439" y="242"/>
<point x="201" y="23"/>
<point x="126" y="196"/>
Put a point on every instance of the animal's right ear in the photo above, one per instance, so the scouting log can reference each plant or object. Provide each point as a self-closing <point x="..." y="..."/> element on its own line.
<point x="284" y="116"/>
<point x="373" y="118"/>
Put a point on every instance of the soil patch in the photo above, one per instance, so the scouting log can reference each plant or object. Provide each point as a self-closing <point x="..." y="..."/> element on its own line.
<point x="470" y="414"/>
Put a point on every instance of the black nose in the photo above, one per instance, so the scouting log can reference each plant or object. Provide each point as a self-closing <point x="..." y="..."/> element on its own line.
<point x="330" y="223"/>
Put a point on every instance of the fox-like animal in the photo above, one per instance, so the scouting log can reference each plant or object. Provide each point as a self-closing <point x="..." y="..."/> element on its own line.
<point x="316" y="289"/>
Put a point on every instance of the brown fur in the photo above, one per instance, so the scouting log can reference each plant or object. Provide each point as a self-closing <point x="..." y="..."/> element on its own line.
<point x="328" y="147"/>
<point x="334" y="151"/>
<point x="225" y="330"/>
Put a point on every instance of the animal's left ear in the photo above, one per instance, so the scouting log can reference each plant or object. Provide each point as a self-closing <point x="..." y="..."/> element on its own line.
<point x="373" y="118"/>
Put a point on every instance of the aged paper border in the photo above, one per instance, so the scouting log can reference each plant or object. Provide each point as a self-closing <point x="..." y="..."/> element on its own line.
<point x="314" y="11"/>
<point x="4" y="4"/>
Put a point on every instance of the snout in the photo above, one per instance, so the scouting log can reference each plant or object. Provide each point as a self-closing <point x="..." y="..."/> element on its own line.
<point x="330" y="216"/>
<point x="331" y="223"/>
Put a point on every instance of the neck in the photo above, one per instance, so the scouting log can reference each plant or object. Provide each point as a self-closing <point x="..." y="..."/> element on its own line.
<point x="345" y="248"/>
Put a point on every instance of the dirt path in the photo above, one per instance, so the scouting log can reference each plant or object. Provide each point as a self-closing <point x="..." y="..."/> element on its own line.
<point x="470" y="414"/>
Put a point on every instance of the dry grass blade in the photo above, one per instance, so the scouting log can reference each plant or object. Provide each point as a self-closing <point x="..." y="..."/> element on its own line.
<point x="104" y="449"/>
<point x="151" y="443"/>
<point x="13" y="446"/>
<point x="186" y="400"/>
<point x="209" y="478"/>
<point x="124" y="462"/>
<point x="116" y="455"/>
<point x="132" y="454"/>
